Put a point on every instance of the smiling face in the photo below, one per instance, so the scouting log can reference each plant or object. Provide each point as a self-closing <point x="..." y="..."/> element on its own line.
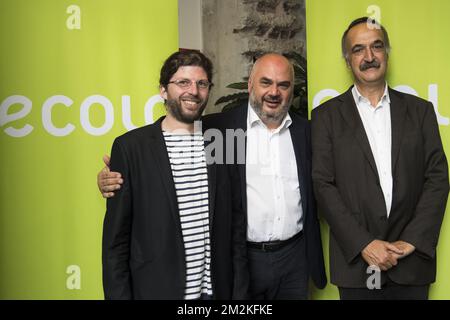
<point x="270" y="87"/>
<point x="186" y="105"/>
<point x="366" y="55"/>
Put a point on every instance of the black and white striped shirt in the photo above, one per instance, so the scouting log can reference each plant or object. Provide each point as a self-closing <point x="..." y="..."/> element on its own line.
<point x="187" y="159"/>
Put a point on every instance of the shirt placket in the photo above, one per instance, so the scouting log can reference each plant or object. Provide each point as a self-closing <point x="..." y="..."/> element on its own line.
<point x="382" y="146"/>
<point x="277" y="187"/>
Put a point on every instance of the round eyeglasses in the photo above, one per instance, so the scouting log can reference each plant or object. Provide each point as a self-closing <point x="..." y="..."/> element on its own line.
<point x="186" y="83"/>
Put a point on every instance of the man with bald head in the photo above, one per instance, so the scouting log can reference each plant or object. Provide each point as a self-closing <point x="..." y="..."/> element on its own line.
<point x="283" y="236"/>
<point x="284" y="246"/>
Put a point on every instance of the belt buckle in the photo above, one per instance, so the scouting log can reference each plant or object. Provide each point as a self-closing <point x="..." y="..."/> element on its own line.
<point x="267" y="247"/>
<point x="264" y="247"/>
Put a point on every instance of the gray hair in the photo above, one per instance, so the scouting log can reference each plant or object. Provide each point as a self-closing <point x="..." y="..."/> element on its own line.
<point x="373" y="24"/>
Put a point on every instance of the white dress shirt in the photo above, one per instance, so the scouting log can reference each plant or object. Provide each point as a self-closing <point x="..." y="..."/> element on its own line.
<point x="274" y="204"/>
<point x="377" y="124"/>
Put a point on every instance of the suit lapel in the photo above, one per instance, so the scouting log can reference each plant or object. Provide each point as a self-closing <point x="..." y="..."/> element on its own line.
<point x="240" y="122"/>
<point x="158" y="148"/>
<point x="298" y="135"/>
<point x="398" y="113"/>
<point x="350" y="113"/>
<point x="211" y="168"/>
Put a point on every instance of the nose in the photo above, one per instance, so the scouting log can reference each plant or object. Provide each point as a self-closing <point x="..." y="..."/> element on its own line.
<point x="273" y="90"/>
<point x="193" y="89"/>
<point x="368" y="54"/>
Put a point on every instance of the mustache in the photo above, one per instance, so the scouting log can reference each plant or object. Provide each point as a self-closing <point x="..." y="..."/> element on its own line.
<point x="368" y="65"/>
<point x="273" y="99"/>
<point x="190" y="97"/>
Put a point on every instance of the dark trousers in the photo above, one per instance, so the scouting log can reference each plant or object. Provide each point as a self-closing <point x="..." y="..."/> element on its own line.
<point x="389" y="291"/>
<point x="281" y="274"/>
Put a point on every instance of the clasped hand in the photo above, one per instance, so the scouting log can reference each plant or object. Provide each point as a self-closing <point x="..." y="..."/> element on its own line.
<point x="385" y="255"/>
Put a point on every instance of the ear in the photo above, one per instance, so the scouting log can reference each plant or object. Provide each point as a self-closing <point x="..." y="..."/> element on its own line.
<point x="163" y="92"/>
<point x="347" y="63"/>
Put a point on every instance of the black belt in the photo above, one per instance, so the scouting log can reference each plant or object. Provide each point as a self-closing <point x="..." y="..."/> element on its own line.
<point x="273" y="245"/>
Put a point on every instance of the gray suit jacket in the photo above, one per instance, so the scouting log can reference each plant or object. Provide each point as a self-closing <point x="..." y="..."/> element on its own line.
<point x="349" y="194"/>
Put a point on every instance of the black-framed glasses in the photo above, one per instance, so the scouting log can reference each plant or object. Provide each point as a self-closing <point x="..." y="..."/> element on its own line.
<point x="187" y="83"/>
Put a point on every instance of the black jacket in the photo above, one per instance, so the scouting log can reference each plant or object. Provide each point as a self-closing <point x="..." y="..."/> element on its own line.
<point x="143" y="250"/>
<point x="236" y="119"/>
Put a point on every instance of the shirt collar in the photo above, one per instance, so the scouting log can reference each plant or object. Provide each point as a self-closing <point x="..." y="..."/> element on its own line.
<point x="253" y="119"/>
<point x="359" y="97"/>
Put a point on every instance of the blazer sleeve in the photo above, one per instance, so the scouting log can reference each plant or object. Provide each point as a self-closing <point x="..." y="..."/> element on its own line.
<point x="423" y="229"/>
<point x="351" y="236"/>
<point x="116" y="232"/>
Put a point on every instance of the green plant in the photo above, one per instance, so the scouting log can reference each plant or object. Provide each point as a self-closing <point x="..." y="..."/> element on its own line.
<point x="300" y="101"/>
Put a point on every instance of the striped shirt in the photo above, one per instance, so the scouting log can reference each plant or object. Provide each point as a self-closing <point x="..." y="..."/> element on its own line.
<point x="187" y="159"/>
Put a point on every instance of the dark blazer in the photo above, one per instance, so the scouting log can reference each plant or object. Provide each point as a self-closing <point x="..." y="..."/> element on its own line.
<point x="349" y="194"/>
<point x="143" y="249"/>
<point x="300" y="134"/>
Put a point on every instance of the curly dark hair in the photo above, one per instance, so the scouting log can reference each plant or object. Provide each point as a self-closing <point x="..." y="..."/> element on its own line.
<point x="182" y="59"/>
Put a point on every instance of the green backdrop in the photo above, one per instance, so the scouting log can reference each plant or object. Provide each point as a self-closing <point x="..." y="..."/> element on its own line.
<point x="73" y="75"/>
<point x="418" y="63"/>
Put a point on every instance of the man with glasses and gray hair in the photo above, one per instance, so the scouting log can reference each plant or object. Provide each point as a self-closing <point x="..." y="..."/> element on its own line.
<point x="380" y="177"/>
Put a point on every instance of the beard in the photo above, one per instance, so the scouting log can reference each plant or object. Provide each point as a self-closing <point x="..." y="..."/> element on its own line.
<point x="274" y="117"/>
<point x="176" y="110"/>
